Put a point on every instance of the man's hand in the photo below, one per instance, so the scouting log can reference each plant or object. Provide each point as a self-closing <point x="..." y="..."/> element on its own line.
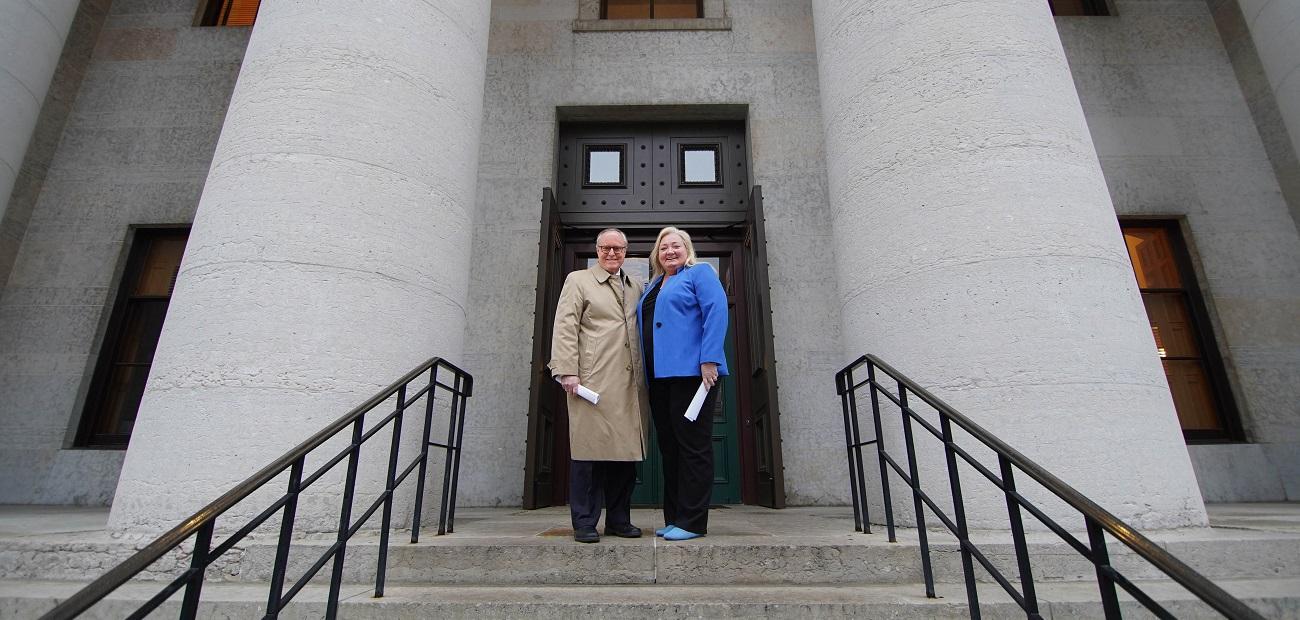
<point x="569" y="383"/>
<point x="709" y="373"/>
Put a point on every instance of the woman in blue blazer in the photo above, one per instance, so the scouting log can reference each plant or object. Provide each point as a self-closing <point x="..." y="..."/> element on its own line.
<point x="683" y="321"/>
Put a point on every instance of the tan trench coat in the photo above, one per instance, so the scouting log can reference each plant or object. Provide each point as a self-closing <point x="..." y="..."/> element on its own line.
<point x="595" y="338"/>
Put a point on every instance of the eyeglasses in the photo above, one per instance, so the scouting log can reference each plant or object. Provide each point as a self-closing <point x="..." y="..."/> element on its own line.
<point x="611" y="249"/>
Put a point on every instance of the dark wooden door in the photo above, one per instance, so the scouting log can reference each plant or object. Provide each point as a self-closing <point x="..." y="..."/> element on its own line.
<point x="545" y="402"/>
<point x="762" y="416"/>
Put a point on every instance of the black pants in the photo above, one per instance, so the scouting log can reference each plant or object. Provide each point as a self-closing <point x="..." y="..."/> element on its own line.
<point x="687" y="448"/>
<point x="596" y="483"/>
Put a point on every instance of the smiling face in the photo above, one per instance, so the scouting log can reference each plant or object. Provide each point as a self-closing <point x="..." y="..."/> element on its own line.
<point x="611" y="251"/>
<point x="672" y="253"/>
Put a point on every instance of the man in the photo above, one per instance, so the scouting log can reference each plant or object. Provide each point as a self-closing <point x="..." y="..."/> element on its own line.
<point x="595" y="345"/>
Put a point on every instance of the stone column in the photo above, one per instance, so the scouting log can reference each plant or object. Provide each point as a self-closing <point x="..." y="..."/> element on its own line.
<point x="32" y="33"/>
<point x="1274" y="27"/>
<point x="330" y="250"/>
<point x="977" y="249"/>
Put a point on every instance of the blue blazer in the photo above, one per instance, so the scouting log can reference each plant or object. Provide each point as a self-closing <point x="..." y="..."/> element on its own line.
<point x="690" y="322"/>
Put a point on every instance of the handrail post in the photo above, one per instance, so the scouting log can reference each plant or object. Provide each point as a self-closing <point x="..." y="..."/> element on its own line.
<point x="1101" y="560"/>
<point x="424" y="453"/>
<point x="924" y="540"/>
<point x="1018" y="538"/>
<point x="462" y="388"/>
<point x="857" y="459"/>
<point x="286" y="533"/>
<point x="880" y="450"/>
<point x="389" y="491"/>
<point x="447" y="461"/>
<point x="959" y="512"/>
<point x="345" y="520"/>
<point x="844" y="383"/>
<point x="198" y="568"/>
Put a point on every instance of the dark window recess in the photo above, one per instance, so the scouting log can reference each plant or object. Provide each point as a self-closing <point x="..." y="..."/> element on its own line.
<point x="127" y="352"/>
<point x="1179" y="326"/>
<point x="603" y="165"/>
<point x="230" y="12"/>
<point x="651" y="9"/>
<point x="1078" y="7"/>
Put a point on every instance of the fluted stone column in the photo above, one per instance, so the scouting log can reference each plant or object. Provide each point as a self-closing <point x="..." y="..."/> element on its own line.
<point x="330" y="251"/>
<point x="32" y="33"/>
<point x="977" y="249"/>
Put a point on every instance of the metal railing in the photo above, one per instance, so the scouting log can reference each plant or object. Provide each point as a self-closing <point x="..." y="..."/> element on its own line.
<point x="1098" y="521"/>
<point x="202" y="524"/>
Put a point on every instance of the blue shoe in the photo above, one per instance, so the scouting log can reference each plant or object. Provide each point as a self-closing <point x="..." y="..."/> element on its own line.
<point x="678" y="533"/>
<point x="664" y="530"/>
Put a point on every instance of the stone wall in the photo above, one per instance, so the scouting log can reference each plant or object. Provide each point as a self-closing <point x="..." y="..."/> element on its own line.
<point x="1176" y="139"/>
<point x="135" y="150"/>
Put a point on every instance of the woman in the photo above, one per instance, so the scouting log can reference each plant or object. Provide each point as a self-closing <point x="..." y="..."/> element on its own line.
<point x="683" y="321"/>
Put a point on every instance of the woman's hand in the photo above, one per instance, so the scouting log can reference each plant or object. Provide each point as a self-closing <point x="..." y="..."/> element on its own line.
<point x="709" y="373"/>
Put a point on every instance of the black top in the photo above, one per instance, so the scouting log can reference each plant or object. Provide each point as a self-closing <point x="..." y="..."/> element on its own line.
<point x="648" y="331"/>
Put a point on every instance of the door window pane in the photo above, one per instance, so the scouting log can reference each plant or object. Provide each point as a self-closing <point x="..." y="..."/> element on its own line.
<point x="603" y="165"/>
<point x="232" y="12"/>
<point x="1193" y="395"/>
<point x="1157" y="255"/>
<point x="627" y="9"/>
<point x="651" y="9"/>
<point x="700" y="165"/>
<point x="1172" y="326"/>
<point x="1153" y="257"/>
<point x="676" y="9"/>
<point x="128" y="349"/>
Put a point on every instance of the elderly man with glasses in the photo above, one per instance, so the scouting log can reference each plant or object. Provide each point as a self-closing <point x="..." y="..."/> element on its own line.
<point x="595" y="345"/>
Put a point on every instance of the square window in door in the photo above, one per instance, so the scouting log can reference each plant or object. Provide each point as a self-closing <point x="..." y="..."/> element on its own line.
<point x="700" y="164"/>
<point x="602" y="165"/>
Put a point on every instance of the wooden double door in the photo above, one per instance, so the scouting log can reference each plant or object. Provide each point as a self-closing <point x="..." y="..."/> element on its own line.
<point x="640" y="178"/>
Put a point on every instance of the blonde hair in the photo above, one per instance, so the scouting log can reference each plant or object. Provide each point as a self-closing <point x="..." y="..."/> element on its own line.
<point x="656" y="267"/>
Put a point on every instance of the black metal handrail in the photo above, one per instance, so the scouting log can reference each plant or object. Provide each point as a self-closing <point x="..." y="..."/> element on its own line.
<point x="201" y="525"/>
<point x="1097" y="520"/>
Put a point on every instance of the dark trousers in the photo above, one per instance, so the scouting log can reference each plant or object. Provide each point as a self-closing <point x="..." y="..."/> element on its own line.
<point x="687" y="449"/>
<point x="593" y="484"/>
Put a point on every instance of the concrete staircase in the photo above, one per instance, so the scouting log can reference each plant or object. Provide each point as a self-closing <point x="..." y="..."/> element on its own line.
<point x="793" y="563"/>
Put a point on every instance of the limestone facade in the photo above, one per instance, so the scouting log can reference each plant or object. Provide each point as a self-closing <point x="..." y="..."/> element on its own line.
<point x="1144" y="103"/>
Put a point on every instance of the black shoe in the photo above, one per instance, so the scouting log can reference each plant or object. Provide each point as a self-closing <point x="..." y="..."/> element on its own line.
<point x="627" y="530"/>
<point x="587" y="535"/>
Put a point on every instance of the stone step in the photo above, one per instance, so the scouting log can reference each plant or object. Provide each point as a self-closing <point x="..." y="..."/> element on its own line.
<point x="1274" y="598"/>
<point x="754" y="547"/>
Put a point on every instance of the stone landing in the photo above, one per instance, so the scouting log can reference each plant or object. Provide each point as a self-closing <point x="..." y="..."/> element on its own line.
<point x="797" y="562"/>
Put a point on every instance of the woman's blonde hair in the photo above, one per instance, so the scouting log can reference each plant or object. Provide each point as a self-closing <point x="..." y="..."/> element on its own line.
<point x="656" y="267"/>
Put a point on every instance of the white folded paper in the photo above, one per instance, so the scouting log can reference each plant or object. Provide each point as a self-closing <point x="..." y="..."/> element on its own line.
<point x="585" y="393"/>
<point x="693" y="410"/>
<point x="591" y="396"/>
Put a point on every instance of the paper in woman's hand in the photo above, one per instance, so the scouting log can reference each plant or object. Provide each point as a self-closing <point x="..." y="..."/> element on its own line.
<point x="693" y="410"/>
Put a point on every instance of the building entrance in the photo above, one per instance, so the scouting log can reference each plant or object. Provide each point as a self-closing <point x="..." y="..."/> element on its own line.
<point x="641" y="178"/>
